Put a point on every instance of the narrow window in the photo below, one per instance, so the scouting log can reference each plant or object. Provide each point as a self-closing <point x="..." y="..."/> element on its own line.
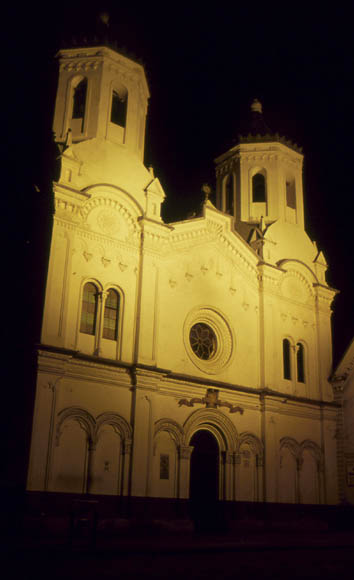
<point x="79" y="100"/>
<point x="110" y="319"/>
<point x="300" y="362"/>
<point x="119" y="109"/>
<point x="290" y="193"/>
<point x="229" y="194"/>
<point x="286" y="359"/>
<point x="89" y="309"/>
<point x="258" y="188"/>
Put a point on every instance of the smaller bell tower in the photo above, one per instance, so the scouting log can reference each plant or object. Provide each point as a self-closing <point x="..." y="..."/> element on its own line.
<point x="261" y="177"/>
<point x="101" y="94"/>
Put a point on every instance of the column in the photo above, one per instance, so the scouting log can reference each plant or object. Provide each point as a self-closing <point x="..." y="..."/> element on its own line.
<point x="228" y="473"/>
<point x="100" y="316"/>
<point x="90" y="479"/>
<point x="126" y="460"/>
<point x="259" y="476"/>
<point x="299" y="463"/>
<point x="184" y="464"/>
<point x="320" y="481"/>
<point x="237" y="463"/>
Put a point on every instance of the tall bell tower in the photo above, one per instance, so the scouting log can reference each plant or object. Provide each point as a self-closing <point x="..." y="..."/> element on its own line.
<point x="101" y="94"/>
<point x="261" y="177"/>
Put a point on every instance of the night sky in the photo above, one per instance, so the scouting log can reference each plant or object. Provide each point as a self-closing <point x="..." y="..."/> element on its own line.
<point x="204" y="68"/>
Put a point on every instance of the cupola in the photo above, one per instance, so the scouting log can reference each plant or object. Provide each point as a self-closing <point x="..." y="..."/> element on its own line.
<point x="261" y="177"/>
<point x="102" y="94"/>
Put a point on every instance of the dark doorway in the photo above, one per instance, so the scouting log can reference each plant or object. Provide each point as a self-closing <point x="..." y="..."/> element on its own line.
<point x="204" y="481"/>
<point x="204" y="476"/>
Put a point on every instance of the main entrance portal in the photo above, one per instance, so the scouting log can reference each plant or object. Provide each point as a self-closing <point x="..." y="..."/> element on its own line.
<point x="204" y="473"/>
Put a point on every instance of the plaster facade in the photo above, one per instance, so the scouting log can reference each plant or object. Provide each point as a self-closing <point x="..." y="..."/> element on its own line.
<point x="343" y="386"/>
<point x="154" y="331"/>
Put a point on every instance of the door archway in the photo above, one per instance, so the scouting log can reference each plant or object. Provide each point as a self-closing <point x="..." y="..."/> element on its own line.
<point x="204" y="468"/>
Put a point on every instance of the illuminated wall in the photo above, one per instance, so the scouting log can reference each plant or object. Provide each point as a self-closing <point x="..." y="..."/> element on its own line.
<point x="153" y="331"/>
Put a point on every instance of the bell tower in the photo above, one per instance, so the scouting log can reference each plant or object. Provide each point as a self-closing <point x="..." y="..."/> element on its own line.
<point x="101" y="94"/>
<point x="261" y="177"/>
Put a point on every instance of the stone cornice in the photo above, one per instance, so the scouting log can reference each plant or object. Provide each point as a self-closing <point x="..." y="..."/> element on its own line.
<point x="145" y="372"/>
<point x="265" y="146"/>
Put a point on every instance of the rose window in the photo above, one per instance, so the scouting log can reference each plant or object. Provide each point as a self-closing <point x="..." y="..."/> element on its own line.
<point x="203" y="341"/>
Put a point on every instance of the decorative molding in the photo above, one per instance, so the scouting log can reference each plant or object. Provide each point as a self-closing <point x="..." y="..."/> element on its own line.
<point x="172" y="427"/>
<point x="87" y="256"/>
<point x="214" y="420"/>
<point x="93" y="426"/>
<point x="185" y="451"/>
<point x="211" y="401"/>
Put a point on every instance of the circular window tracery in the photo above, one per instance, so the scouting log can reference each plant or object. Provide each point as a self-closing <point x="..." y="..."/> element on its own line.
<point x="203" y="340"/>
<point x="208" y="339"/>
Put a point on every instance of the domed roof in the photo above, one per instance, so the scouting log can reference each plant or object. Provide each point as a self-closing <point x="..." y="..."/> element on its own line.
<point x="256" y="130"/>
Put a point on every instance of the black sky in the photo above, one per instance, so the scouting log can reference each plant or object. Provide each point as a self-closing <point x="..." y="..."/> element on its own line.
<point x="205" y="66"/>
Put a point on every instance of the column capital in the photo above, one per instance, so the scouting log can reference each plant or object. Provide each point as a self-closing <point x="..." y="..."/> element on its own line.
<point x="185" y="451"/>
<point x="237" y="458"/>
<point x="127" y="447"/>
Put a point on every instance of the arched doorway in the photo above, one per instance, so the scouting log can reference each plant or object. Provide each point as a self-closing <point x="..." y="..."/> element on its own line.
<point x="204" y="471"/>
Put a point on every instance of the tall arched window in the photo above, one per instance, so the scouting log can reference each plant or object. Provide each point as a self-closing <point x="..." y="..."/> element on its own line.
<point x="79" y="99"/>
<point x="111" y="312"/>
<point x="300" y="362"/>
<point x="286" y="359"/>
<point x="119" y="108"/>
<point x="258" y="188"/>
<point x="229" y="194"/>
<point x="89" y="309"/>
<point x="290" y="193"/>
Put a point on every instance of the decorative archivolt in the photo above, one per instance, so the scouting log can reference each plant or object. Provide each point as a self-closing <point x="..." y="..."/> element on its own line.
<point x="292" y="445"/>
<point x="247" y="438"/>
<point x="294" y="265"/>
<point x="314" y="449"/>
<point x="299" y="290"/>
<point x="172" y="427"/>
<point x="218" y="424"/>
<point x="113" y="205"/>
<point x="297" y="449"/>
<point x="120" y="425"/>
<point x="212" y="419"/>
<point x="85" y="420"/>
<point x="92" y="426"/>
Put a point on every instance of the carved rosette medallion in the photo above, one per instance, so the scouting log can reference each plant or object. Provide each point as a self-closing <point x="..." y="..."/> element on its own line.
<point x="208" y="339"/>
<point x="107" y="221"/>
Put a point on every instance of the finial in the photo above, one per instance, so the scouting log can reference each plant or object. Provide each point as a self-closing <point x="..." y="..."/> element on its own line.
<point x="104" y="18"/>
<point x="261" y="224"/>
<point x="206" y="189"/>
<point x="69" y="138"/>
<point x="256" y="106"/>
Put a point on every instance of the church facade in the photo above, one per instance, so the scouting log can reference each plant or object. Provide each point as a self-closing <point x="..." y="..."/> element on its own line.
<point x="186" y="358"/>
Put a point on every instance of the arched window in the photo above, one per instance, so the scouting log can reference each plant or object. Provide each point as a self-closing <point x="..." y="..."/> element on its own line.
<point x="89" y="309"/>
<point x="119" y="108"/>
<point x="300" y="362"/>
<point x="258" y="188"/>
<point x="111" y="312"/>
<point x="229" y="194"/>
<point x="290" y="193"/>
<point x="286" y="359"/>
<point x="79" y="99"/>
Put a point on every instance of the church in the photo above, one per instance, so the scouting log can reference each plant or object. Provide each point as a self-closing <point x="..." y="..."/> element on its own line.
<point x="179" y="360"/>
